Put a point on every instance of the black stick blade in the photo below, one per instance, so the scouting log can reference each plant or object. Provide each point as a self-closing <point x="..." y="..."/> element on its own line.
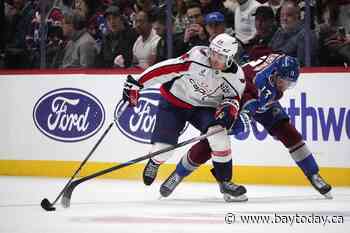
<point x="46" y="205"/>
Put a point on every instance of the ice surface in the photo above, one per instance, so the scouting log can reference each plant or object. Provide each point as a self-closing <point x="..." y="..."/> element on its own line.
<point x="100" y="206"/>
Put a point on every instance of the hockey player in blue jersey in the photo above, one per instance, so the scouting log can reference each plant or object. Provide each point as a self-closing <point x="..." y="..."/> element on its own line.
<point x="266" y="80"/>
<point x="202" y="87"/>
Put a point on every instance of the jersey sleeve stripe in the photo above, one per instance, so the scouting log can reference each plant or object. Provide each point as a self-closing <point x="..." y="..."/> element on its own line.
<point x="164" y="70"/>
<point x="173" y="99"/>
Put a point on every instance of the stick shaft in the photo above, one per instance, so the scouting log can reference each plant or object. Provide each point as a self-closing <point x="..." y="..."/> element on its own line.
<point x="147" y="156"/>
<point x="124" y="105"/>
<point x="84" y="161"/>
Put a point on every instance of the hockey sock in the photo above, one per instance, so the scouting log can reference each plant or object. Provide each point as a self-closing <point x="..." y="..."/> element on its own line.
<point x="223" y="171"/>
<point x="197" y="155"/>
<point x="287" y="134"/>
<point x="160" y="159"/>
<point x="181" y="170"/>
<point x="304" y="158"/>
<point x="308" y="165"/>
<point x="299" y="151"/>
<point x="186" y="166"/>
<point x="200" y="152"/>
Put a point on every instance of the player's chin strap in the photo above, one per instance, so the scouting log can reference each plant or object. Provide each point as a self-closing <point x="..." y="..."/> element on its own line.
<point x="232" y="68"/>
<point x="65" y="201"/>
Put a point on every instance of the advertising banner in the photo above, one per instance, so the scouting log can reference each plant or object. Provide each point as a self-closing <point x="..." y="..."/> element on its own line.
<point x="59" y="117"/>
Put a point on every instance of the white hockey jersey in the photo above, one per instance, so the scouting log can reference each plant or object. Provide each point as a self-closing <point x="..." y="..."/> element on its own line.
<point x="189" y="80"/>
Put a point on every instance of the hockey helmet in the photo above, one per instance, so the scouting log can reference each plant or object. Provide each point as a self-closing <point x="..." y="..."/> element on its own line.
<point x="226" y="46"/>
<point x="288" y="69"/>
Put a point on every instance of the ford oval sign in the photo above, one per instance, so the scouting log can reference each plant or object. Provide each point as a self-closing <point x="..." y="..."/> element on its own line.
<point x="137" y="123"/>
<point x="68" y="114"/>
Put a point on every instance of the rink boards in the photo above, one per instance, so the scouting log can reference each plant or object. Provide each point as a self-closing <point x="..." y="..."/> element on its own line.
<point x="50" y="122"/>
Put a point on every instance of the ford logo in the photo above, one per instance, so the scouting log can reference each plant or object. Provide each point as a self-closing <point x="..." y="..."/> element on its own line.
<point x="68" y="114"/>
<point x="137" y="123"/>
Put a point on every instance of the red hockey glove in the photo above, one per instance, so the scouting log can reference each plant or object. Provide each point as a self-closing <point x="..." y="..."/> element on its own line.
<point x="226" y="113"/>
<point x="131" y="90"/>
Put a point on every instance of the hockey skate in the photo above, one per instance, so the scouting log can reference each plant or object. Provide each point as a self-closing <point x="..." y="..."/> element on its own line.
<point x="320" y="185"/>
<point x="233" y="192"/>
<point x="150" y="172"/>
<point x="170" y="184"/>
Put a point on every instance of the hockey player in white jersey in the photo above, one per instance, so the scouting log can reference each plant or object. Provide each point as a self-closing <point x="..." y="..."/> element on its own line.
<point x="202" y="87"/>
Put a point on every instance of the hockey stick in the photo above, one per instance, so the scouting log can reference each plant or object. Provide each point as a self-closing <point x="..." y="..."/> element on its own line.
<point x="45" y="203"/>
<point x="65" y="201"/>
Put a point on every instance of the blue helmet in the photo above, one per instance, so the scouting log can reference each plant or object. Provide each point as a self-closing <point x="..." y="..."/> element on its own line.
<point x="288" y="68"/>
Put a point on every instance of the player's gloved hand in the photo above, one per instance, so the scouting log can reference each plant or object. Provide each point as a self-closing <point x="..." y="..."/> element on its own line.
<point x="266" y="99"/>
<point x="131" y="90"/>
<point x="226" y="113"/>
<point x="266" y="95"/>
<point x="242" y="124"/>
<point x="250" y="107"/>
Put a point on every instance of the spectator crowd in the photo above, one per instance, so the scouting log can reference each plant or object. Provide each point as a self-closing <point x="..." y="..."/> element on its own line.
<point x="133" y="33"/>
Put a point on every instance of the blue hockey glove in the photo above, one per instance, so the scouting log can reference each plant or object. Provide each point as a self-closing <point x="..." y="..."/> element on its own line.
<point x="266" y="95"/>
<point x="266" y="98"/>
<point x="242" y="124"/>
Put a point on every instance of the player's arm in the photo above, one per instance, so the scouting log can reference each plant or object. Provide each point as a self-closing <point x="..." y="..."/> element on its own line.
<point x="156" y="74"/>
<point x="267" y="94"/>
<point x="167" y="70"/>
<point x="163" y="72"/>
<point x="228" y="110"/>
<point x="252" y="104"/>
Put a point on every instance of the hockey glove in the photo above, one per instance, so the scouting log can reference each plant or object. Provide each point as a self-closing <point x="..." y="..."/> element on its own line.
<point x="131" y="90"/>
<point x="226" y="113"/>
<point x="262" y="104"/>
<point x="242" y="124"/>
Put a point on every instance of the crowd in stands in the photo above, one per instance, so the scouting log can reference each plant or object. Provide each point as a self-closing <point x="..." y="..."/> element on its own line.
<point x="133" y="33"/>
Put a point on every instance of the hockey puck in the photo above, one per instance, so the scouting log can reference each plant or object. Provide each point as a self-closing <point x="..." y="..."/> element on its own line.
<point x="46" y="205"/>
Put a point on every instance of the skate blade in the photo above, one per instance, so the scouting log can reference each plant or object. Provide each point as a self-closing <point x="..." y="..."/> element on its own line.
<point x="328" y="195"/>
<point x="241" y="198"/>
